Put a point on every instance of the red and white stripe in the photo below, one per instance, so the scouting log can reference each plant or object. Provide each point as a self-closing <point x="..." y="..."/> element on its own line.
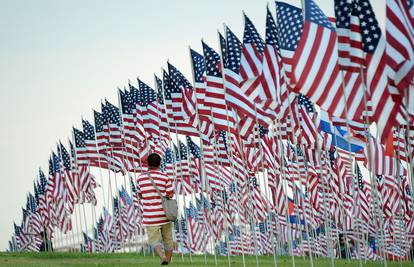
<point x="153" y="212"/>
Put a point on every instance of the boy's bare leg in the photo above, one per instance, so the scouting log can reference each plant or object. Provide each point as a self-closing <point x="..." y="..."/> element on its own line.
<point x="160" y="252"/>
<point x="168" y="255"/>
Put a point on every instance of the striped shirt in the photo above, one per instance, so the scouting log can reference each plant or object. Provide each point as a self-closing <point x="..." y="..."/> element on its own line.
<point x="153" y="212"/>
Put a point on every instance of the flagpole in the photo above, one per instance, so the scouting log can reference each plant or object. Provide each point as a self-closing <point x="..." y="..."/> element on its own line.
<point x="203" y="164"/>
<point x="409" y="147"/>
<point x="78" y="178"/>
<point x="285" y="180"/>
<point x="260" y="150"/>
<point x="136" y="222"/>
<point x="277" y="144"/>
<point x="265" y="178"/>
<point x="175" y="169"/>
<point x="226" y="228"/>
<point x="396" y="155"/>
<point x="288" y="224"/>
<point x="138" y="228"/>
<point x="231" y="148"/>
<point x="99" y="165"/>
<point x="409" y="151"/>
<point x="189" y="234"/>
<point x="375" y="199"/>
<point x="88" y="168"/>
<point x="108" y="124"/>
<point x="42" y="219"/>
<point x="123" y="155"/>
<point x="258" y="147"/>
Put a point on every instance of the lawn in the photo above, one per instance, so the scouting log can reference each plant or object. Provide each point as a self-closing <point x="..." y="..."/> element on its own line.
<point x="131" y="259"/>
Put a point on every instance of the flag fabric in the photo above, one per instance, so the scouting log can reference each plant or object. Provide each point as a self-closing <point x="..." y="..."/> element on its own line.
<point x="215" y="93"/>
<point x="385" y="108"/>
<point x="304" y="45"/>
<point x="400" y="42"/>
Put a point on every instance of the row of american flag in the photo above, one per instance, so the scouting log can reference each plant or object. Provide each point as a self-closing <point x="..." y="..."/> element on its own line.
<point x="278" y="145"/>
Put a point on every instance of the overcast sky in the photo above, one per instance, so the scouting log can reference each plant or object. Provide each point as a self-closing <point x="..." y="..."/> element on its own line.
<point x="58" y="59"/>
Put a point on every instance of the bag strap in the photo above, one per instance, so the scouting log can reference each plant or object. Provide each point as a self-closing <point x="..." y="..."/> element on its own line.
<point x="155" y="186"/>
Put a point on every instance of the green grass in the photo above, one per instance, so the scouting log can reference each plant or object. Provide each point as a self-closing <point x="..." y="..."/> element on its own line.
<point x="131" y="259"/>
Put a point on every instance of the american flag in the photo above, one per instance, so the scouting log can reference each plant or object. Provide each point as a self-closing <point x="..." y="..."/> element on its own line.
<point x="43" y="206"/>
<point x="254" y="197"/>
<point x="21" y="238"/>
<point x="50" y="199"/>
<point x="150" y="109"/>
<point x="136" y="143"/>
<point x="235" y="97"/>
<point x="59" y="195"/>
<point x="350" y="52"/>
<point x="58" y="183"/>
<point x="112" y="124"/>
<point x="407" y="198"/>
<point x="272" y="163"/>
<point x="173" y="98"/>
<point x="87" y="185"/>
<point x="351" y="56"/>
<point x="161" y="105"/>
<point x="89" y="137"/>
<point x="273" y="75"/>
<point x="102" y="139"/>
<point x="197" y="229"/>
<point x="163" y="126"/>
<point x="362" y="201"/>
<point x="384" y="109"/>
<point x="217" y="216"/>
<point x="188" y="95"/>
<point x="137" y="113"/>
<point x="80" y="147"/>
<point x="195" y="164"/>
<point x="129" y="215"/>
<point x="81" y="153"/>
<point x="215" y="92"/>
<point x="102" y="133"/>
<point x="305" y="47"/>
<point x="185" y="183"/>
<point x="251" y="63"/>
<point x="71" y="181"/>
<point x="308" y="124"/>
<point x="199" y="74"/>
<point x="89" y="243"/>
<point x="400" y="42"/>
<point x="173" y="95"/>
<point x="133" y="131"/>
<point x="119" y="227"/>
<point x="167" y="163"/>
<point x="32" y="221"/>
<point x="240" y="242"/>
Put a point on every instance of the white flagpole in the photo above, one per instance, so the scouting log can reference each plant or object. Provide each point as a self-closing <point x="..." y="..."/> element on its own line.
<point x="375" y="199"/>
<point x="205" y="186"/>
<point x="229" y="142"/>
<point x="175" y="172"/>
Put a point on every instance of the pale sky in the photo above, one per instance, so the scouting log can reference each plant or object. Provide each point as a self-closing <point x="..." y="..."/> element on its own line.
<point x="58" y="59"/>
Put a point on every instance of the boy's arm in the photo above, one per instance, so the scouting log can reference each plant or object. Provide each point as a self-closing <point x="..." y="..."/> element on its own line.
<point x="169" y="188"/>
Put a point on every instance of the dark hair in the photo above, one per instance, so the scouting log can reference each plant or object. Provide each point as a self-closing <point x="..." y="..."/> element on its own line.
<point x="154" y="160"/>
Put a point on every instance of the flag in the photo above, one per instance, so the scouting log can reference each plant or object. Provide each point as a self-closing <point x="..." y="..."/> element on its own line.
<point x="309" y="54"/>
<point x="235" y="97"/>
<point x="215" y="92"/>
<point x="400" y="42"/>
<point x="251" y="64"/>
<point x="385" y="109"/>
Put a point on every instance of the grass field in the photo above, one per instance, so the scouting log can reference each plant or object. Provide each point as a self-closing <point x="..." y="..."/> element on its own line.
<point x="130" y="259"/>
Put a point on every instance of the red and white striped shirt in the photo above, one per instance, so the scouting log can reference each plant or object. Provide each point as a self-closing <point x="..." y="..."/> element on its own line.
<point x="153" y="212"/>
